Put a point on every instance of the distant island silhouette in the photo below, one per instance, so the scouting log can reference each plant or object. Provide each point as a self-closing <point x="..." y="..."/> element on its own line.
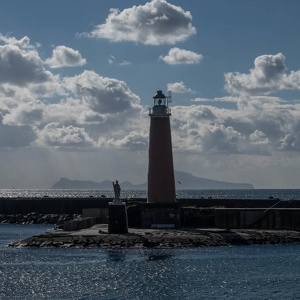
<point x="183" y="181"/>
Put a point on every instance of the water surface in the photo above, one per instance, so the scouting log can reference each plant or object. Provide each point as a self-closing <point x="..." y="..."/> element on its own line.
<point x="244" y="272"/>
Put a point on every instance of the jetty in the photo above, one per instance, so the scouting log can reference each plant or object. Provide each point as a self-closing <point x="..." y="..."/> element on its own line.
<point x="201" y="222"/>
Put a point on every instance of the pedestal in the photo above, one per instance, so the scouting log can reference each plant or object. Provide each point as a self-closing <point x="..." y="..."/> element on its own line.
<point x="117" y="218"/>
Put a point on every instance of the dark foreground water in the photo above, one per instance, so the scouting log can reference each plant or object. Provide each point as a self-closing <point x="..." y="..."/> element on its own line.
<point x="245" y="272"/>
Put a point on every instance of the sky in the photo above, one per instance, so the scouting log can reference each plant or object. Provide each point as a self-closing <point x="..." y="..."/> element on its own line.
<point x="77" y="80"/>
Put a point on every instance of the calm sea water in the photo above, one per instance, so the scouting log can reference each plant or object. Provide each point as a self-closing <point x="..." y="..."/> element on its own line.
<point x="244" y="272"/>
<point x="224" y="194"/>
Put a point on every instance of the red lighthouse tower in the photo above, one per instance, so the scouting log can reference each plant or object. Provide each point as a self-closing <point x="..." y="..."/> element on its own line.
<point x="161" y="181"/>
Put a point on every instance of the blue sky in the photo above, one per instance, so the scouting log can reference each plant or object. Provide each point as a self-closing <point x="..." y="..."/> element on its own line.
<point x="77" y="79"/>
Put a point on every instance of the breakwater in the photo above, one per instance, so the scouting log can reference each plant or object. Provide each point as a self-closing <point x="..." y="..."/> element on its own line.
<point x="48" y="205"/>
<point x="202" y="213"/>
<point x="36" y="218"/>
<point x="97" y="237"/>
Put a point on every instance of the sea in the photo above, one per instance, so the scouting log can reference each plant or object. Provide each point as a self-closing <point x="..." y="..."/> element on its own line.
<point x="282" y="194"/>
<point x="235" y="272"/>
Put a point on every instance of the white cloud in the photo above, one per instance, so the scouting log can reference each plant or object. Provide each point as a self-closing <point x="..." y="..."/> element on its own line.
<point x="218" y="138"/>
<point x="90" y="113"/>
<point x="94" y="111"/>
<point x="291" y="140"/>
<point x="103" y="94"/>
<point x="267" y="76"/>
<point x="63" y="56"/>
<point x="71" y="113"/>
<point x="134" y="141"/>
<point x="22" y="73"/>
<point x="263" y="126"/>
<point x="155" y="23"/>
<point x="22" y="43"/>
<point x="112" y="60"/>
<point x="21" y="67"/>
<point x="178" y="56"/>
<point x="125" y="63"/>
<point x="229" y="99"/>
<point x="28" y="113"/>
<point x="179" y="87"/>
<point x="258" y="137"/>
<point x="69" y="137"/>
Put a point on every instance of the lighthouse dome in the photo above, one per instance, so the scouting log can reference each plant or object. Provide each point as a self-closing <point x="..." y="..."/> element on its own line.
<point x="159" y="95"/>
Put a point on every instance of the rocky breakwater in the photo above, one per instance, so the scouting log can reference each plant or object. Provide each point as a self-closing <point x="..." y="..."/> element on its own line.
<point x="96" y="237"/>
<point x="36" y="218"/>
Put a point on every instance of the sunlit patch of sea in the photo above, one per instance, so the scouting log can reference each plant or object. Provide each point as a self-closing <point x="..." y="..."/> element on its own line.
<point x="245" y="272"/>
<point x="283" y="194"/>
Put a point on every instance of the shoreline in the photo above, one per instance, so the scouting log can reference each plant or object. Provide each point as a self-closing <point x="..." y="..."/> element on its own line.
<point x="97" y="237"/>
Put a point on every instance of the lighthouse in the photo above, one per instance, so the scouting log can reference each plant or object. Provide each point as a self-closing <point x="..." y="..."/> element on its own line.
<point x="161" y="181"/>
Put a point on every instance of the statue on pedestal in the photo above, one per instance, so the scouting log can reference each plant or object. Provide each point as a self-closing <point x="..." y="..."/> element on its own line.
<point x="117" y="213"/>
<point x="117" y="191"/>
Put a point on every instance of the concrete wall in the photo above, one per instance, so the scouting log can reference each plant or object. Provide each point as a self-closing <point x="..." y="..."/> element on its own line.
<point x="147" y="215"/>
<point x="100" y="213"/>
<point x="50" y="205"/>
<point x="239" y="203"/>
<point x="282" y="218"/>
<point x="80" y="223"/>
<point x="229" y="213"/>
<point x="75" y="205"/>
<point x="197" y="217"/>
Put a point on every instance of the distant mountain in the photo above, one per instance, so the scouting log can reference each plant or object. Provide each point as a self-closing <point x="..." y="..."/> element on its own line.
<point x="188" y="181"/>
<point x="183" y="181"/>
<point x="65" y="183"/>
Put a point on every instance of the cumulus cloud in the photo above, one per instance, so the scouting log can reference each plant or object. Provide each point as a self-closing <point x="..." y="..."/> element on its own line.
<point x="134" y="141"/>
<point x="21" y="67"/>
<point x="219" y="138"/>
<point x="259" y="137"/>
<point x="267" y="76"/>
<point x="90" y="112"/>
<point x="28" y="113"/>
<point x="22" y="43"/>
<point x="42" y="109"/>
<point x="178" y="56"/>
<point x="103" y="94"/>
<point x="93" y="111"/>
<point x="64" y="136"/>
<point x="23" y="75"/>
<point x="265" y="126"/>
<point x="179" y="87"/>
<point x="291" y="140"/>
<point x="63" y="56"/>
<point x="155" y="23"/>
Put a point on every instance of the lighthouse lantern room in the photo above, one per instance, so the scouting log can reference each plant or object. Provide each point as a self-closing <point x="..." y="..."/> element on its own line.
<point x="161" y="105"/>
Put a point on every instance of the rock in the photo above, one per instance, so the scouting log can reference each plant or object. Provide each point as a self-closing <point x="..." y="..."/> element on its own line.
<point x="36" y="218"/>
<point x="139" y="238"/>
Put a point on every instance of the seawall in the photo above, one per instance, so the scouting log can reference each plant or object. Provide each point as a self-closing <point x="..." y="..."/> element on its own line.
<point x="47" y="205"/>
<point x="198" y="213"/>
